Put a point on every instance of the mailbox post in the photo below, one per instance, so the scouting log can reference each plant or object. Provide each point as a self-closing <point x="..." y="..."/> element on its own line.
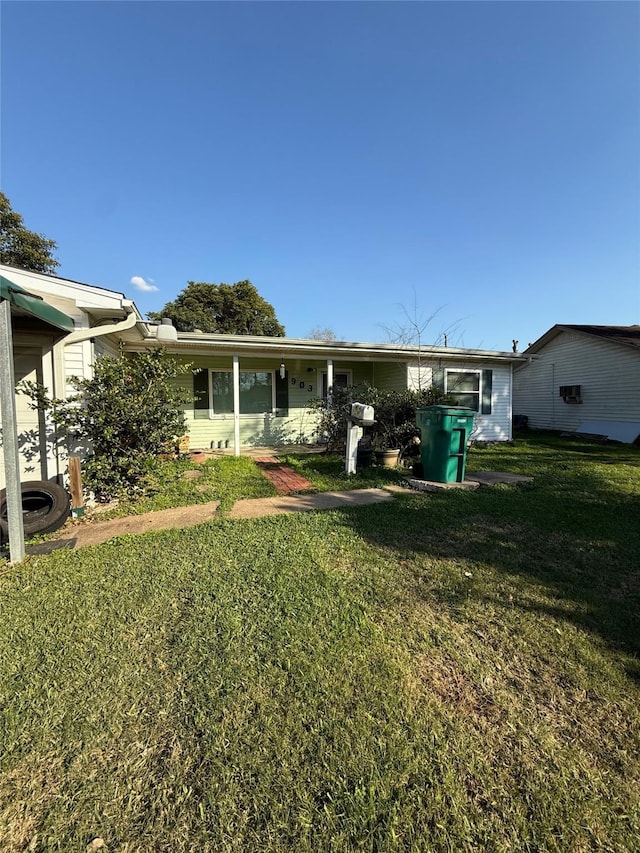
<point x="361" y="416"/>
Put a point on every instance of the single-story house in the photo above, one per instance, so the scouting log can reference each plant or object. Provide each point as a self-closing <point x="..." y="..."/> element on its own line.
<point x="582" y="379"/>
<point x="256" y="390"/>
<point x="247" y="391"/>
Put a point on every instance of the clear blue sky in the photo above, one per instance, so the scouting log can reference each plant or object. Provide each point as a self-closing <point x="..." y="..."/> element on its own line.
<point x="347" y="158"/>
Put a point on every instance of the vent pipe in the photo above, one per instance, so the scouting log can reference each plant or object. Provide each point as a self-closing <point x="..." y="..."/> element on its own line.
<point x="166" y="330"/>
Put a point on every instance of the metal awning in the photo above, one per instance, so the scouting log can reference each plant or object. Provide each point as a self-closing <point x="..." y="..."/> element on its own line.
<point x="31" y="305"/>
<point x="16" y="301"/>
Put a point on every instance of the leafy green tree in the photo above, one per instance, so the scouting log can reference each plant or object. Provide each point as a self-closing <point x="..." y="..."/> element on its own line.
<point x="22" y="248"/>
<point x="225" y="309"/>
<point x="131" y="410"/>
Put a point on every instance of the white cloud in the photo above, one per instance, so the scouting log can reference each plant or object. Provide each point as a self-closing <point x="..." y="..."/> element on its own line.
<point x="138" y="282"/>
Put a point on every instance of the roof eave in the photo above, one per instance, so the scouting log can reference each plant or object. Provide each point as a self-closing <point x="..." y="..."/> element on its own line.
<point x="190" y="341"/>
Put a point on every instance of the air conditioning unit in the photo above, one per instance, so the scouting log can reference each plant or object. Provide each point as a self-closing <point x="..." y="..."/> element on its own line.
<point x="571" y="393"/>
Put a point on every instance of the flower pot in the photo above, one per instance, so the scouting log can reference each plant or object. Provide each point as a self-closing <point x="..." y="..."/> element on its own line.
<point x="388" y="458"/>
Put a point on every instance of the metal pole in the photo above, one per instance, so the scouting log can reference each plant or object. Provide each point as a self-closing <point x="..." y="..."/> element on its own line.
<point x="10" y="436"/>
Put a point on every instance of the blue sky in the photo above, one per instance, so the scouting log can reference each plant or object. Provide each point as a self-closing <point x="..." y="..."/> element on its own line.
<point x="480" y="160"/>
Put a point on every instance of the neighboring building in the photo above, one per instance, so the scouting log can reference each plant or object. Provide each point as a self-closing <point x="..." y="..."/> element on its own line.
<point x="101" y="317"/>
<point x="582" y="379"/>
<point x="248" y="391"/>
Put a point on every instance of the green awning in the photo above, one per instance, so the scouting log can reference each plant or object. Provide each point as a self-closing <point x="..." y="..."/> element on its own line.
<point x="34" y="306"/>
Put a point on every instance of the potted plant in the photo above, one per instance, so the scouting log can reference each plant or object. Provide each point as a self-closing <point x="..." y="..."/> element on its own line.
<point x="395" y="425"/>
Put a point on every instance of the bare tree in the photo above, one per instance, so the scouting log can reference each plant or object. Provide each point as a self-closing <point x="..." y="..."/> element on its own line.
<point x="411" y="331"/>
<point x="321" y="334"/>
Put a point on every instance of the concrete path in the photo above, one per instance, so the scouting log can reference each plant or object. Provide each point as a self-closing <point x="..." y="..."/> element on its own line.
<point x="96" y="532"/>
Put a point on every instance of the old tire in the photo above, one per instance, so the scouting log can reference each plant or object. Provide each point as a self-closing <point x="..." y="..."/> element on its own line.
<point x="45" y="507"/>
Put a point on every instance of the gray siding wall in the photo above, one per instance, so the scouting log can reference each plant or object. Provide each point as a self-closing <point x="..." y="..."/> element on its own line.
<point x="609" y="376"/>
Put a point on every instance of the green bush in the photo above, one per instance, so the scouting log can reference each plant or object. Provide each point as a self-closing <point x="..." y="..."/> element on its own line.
<point x="127" y="414"/>
<point x="394" y="412"/>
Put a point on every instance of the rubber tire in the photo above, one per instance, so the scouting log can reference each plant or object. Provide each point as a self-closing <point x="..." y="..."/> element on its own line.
<point x="45" y="507"/>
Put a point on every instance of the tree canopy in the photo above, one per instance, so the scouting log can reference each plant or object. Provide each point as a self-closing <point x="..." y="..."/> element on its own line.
<point x="22" y="248"/>
<point x="224" y="309"/>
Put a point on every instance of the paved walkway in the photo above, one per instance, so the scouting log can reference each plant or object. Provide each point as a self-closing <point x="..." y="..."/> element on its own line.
<point x="284" y="478"/>
<point x="95" y="532"/>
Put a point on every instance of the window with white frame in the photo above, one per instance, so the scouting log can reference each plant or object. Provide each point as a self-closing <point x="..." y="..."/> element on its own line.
<point x="471" y="389"/>
<point x="463" y="387"/>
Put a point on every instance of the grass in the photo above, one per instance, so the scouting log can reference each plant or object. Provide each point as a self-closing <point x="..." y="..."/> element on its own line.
<point x="451" y="672"/>
<point x="326" y="472"/>
<point x="175" y="483"/>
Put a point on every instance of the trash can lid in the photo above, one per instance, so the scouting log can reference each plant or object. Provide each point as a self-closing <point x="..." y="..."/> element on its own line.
<point x="447" y="410"/>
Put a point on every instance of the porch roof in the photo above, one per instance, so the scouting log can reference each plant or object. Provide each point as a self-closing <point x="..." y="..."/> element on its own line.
<point x="28" y="304"/>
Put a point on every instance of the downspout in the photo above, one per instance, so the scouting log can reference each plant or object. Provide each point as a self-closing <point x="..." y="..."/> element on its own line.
<point x="98" y="331"/>
<point x="511" y="403"/>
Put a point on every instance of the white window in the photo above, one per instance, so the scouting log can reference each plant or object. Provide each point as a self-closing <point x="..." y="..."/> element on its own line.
<point x="464" y="388"/>
<point x="257" y="392"/>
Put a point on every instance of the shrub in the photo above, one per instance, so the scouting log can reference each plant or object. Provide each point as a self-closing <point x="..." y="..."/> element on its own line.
<point x="126" y="415"/>
<point x="394" y="412"/>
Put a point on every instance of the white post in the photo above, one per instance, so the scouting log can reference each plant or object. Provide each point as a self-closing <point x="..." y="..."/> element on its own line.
<point x="329" y="380"/>
<point x="236" y="405"/>
<point x="10" y="436"/>
<point x="59" y="387"/>
<point x="354" y="434"/>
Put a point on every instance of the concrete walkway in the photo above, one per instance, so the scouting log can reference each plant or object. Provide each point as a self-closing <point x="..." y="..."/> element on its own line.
<point x="97" y="532"/>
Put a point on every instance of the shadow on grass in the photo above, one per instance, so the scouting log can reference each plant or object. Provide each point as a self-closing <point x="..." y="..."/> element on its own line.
<point x="567" y="546"/>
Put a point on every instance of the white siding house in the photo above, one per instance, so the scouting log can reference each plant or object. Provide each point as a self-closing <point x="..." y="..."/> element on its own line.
<point x="582" y="379"/>
<point x="101" y="318"/>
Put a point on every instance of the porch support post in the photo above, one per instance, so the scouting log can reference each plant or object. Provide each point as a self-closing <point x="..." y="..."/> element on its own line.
<point x="10" y="436"/>
<point x="236" y="405"/>
<point x="59" y="386"/>
<point x="329" y="381"/>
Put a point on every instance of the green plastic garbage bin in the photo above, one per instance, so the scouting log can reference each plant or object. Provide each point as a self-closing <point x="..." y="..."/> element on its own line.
<point x="445" y="432"/>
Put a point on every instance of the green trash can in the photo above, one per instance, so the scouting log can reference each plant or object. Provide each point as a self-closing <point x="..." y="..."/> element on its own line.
<point x="445" y="431"/>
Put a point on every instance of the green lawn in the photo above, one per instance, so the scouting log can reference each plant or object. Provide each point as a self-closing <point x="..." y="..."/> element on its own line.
<point x="447" y="672"/>
<point x="174" y="483"/>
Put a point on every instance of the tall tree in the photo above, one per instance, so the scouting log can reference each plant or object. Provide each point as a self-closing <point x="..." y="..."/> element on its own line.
<point x="22" y="248"/>
<point x="224" y="309"/>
